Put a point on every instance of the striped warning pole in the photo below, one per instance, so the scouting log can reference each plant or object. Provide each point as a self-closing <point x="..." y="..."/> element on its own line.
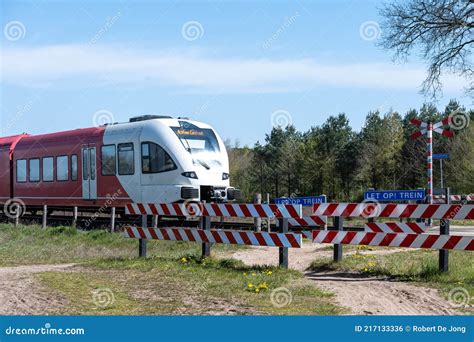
<point x="428" y="128"/>
<point x="429" y="160"/>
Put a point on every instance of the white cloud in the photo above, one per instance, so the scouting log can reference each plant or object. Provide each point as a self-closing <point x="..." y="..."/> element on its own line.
<point x="73" y="64"/>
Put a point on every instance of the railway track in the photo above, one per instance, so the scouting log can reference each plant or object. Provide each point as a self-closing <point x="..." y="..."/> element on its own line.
<point x="89" y="219"/>
<point x="88" y="222"/>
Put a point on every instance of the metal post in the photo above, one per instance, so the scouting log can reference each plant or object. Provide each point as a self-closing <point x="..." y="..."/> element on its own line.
<point x="283" y="251"/>
<point x="45" y="216"/>
<point x="74" y="217"/>
<point x="420" y="220"/>
<point x="429" y="160"/>
<point x="257" y="221"/>
<point x="338" y="225"/>
<point x="142" y="242"/>
<point x="371" y="219"/>
<point x="444" y="230"/>
<point x="206" y="246"/>
<point x="112" y="220"/>
<point x="16" y="221"/>
<point x="441" y="172"/>
<point x="268" y="219"/>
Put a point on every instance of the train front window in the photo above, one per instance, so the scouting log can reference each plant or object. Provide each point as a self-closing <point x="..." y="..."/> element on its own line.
<point x="200" y="142"/>
<point x="155" y="159"/>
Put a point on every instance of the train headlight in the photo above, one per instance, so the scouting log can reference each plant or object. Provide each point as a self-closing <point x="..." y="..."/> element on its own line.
<point x="190" y="174"/>
<point x="225" y="176"/>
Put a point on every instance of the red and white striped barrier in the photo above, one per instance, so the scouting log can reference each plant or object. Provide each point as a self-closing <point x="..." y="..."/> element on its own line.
<point x="290" y="240"/>
<point x="433" y="211"/>
<point x="454" y="198"/>
<point x="395" y="227"/>
<point x="465" y="243"/>
<point x="308" y="234"/>
<point x="308" y="221"/>
<point x="216" y="209"/>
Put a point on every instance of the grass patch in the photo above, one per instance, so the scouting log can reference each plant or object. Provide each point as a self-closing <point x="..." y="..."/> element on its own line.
<point x="89" y="294"/>
<point x="420" y="266"/>
<point x="33" y="245"/>
<point x="189" y="285"/>
<point x="174" y="280"/>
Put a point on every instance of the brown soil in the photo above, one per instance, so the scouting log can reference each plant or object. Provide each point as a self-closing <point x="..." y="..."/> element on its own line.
<point x="360" y="294"/>
<point x="21" y="294"/>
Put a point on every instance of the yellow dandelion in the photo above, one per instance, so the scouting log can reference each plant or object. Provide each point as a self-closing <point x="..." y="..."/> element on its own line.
<point x="257" y="290"/>
<point x="250" y="285"/>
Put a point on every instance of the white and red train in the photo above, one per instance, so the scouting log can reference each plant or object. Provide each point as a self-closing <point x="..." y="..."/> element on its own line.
<point x="148" y="159"/>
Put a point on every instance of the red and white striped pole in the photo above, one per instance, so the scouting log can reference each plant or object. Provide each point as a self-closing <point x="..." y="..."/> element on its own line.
<point x="429" y="146"/>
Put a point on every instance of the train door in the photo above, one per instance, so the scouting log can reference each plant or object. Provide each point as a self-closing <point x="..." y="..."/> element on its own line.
<point x="89" y="173"/>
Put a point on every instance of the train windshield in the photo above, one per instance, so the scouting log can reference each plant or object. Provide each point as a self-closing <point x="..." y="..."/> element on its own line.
<point x="200" y="142"/>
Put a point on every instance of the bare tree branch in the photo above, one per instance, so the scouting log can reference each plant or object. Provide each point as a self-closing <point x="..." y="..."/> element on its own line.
<point x="441" y="31"/>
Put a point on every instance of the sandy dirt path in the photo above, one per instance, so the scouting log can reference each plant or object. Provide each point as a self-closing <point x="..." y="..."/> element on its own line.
<point x="362" y="295"/>
<point x="21" y="294"/>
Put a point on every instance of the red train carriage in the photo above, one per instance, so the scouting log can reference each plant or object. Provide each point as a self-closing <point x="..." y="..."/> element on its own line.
<point x="149" y="159"/>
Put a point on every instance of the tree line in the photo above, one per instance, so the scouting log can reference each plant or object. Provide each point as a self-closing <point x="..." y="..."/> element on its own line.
<point x="340" y="162"/>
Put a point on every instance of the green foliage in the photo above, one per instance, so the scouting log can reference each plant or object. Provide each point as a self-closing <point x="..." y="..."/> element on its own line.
<point x="67" y="231"/>
<point x="335" y="160"/>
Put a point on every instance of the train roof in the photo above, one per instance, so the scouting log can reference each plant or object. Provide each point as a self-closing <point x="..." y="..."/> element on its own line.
<point x="64" y="135"/>
<point x="10" y="142"/>
<point x="78" y="134"/>
<point x="7" y="141"/>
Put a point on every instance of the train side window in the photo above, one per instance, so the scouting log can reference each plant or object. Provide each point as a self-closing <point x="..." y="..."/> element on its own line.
<point x="21" y="170"/>
<point x="155" y="159"/>
<point x="108" y="159"/>
<point x="126" y="159"/>
<point x="62" y="168"/>
<point x="48" y="169"/>
<point x="74" y="167"/>
<point x="34" y="170"/>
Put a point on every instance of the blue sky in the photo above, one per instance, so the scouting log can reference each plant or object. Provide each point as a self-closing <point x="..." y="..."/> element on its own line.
<point x="240" y="66"/>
